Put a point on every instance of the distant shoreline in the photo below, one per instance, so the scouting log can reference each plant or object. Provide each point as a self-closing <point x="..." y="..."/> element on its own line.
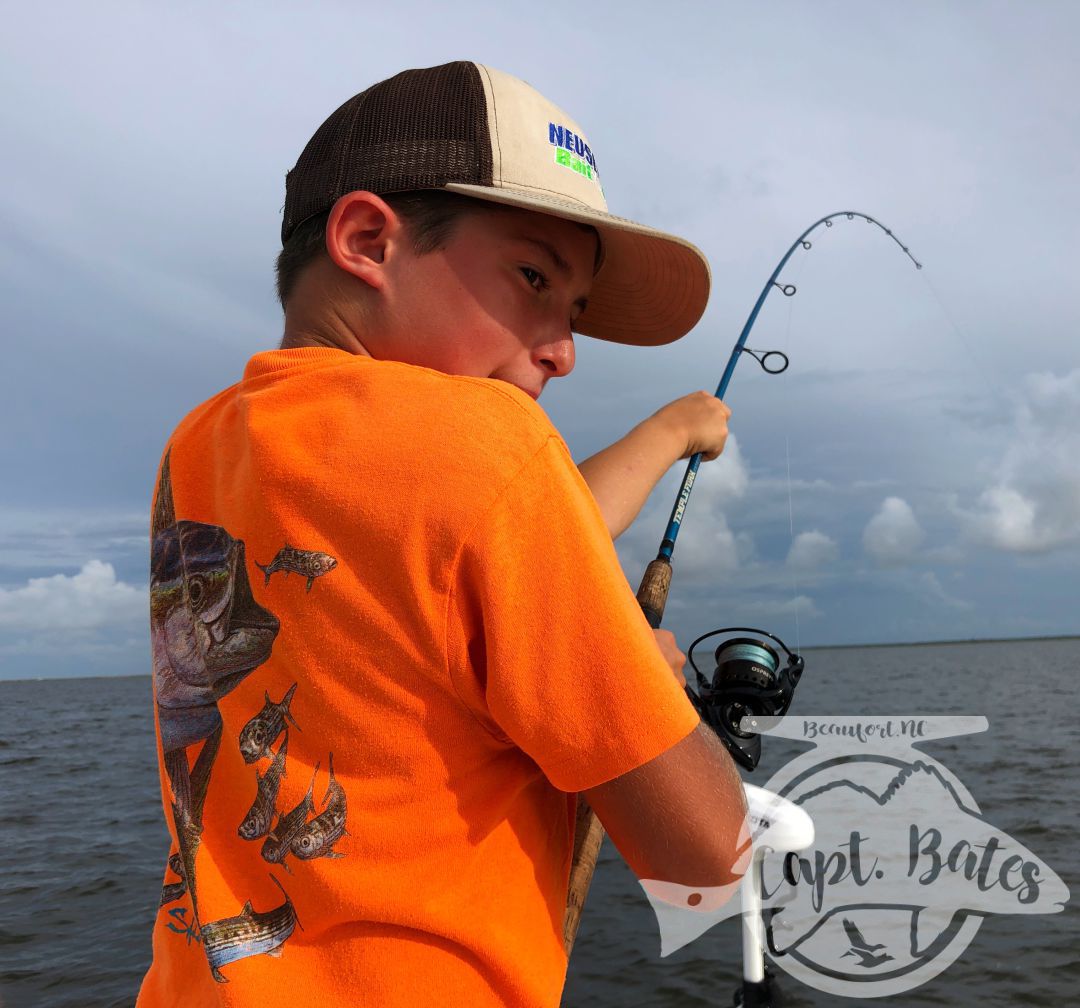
<point x="813" y="647"/>
<point x="75" y="678"/>
<point x="941" y="643"/>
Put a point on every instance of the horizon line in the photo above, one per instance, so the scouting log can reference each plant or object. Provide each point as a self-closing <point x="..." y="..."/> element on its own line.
<point x="809" y="647"/>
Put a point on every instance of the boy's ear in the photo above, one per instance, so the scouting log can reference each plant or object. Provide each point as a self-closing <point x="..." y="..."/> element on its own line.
<point x="360" y="231"/>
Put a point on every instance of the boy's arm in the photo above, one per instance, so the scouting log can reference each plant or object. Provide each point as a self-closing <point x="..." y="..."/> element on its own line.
<point x="681" y="817"/>
<point x="623" y="475"/>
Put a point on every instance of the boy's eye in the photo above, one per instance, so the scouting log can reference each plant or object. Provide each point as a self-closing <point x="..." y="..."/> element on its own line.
<point x="534" y="278"/>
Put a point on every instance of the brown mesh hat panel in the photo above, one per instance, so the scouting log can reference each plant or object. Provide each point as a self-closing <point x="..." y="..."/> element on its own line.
<point x="421" y="129"/>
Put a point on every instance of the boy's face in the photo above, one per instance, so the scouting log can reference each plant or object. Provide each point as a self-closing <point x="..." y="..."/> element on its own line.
<point x="498" y="301"/>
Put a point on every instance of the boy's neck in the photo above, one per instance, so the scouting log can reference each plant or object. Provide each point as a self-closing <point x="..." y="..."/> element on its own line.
<point x="296" y="338"/>
<point x="314" y="318"/>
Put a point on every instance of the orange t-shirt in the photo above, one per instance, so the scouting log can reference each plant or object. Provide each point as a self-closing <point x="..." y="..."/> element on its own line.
<point x="391" y="639"/>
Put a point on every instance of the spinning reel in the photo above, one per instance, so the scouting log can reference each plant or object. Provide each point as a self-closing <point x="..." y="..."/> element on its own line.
<point x="746" y="683"/>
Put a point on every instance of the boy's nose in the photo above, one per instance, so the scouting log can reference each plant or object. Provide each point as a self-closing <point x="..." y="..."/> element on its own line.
<point x="556" y="356"/>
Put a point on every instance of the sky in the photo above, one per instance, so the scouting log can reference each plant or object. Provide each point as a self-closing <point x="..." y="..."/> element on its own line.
<point x="912" y="476"/>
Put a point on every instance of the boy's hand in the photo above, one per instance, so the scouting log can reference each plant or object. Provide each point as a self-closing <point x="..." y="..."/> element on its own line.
<point x="622" y="475"/>
<point x="675" y="658"/>
<point x="699" y="423"/>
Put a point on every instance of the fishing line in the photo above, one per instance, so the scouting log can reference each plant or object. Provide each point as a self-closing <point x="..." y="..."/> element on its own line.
<point x="791" y="527"/>
<point x="994" y="390"/>
<point x="773" y="691"/>
<point x="667" y="545"/>
<point x="747" y="682"/>
<point x="800" y="271"/>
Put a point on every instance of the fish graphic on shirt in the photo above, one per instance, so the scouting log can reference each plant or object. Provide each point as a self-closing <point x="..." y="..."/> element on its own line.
<point x="317" y="838"/>
<point x="207" y="631"/>
<point x="172" y="891"/>
<point x="307" y="563"/>
<point x="187" y="808"/>
<point x="257" y="822"/>
<point x="249" y="933"/>
<point x="262" y="731"/>
<point x="207" y="635"/>
<point x="275" y="847"/>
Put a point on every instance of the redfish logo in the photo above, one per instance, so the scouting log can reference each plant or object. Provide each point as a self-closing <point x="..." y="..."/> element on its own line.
<point x="902" y="870"/>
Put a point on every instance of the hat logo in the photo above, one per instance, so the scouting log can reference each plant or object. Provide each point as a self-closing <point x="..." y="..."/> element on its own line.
<point x="572" y="151"/>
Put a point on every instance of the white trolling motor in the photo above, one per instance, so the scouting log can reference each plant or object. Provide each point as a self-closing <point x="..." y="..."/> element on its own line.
<point x="776" y="826"/>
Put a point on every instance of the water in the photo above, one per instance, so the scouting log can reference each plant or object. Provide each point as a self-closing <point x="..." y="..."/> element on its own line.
<point x="83" y="840"/>
<point x="1022" y="773"/>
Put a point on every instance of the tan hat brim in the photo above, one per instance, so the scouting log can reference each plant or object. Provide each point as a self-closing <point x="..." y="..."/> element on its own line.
<point x="652" y="287"/>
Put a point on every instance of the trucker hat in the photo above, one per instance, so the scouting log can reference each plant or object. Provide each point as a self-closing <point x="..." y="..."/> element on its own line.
<point x="470" y="129"/>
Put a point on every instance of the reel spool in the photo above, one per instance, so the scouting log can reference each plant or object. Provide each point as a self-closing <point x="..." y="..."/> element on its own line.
<point x="747" y="682"/>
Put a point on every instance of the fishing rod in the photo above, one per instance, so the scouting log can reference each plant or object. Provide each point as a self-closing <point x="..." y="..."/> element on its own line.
<point x="652" y="594"/>
<point x="747" y="680"/>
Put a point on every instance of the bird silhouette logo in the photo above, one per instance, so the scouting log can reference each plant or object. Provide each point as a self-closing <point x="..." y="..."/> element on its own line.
<point x="861" y="948"/>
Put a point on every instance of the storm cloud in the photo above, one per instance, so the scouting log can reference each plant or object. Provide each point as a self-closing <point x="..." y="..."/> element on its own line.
<point x="911" y="476"/>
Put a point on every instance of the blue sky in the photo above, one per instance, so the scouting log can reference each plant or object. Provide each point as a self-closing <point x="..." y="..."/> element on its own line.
<point x="912" y="476"/>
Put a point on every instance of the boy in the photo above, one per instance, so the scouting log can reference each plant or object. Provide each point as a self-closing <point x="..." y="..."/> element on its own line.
<point x="370" y="769"/>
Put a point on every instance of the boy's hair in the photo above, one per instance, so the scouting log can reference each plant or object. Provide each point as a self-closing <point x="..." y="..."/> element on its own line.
<point x="429" y="216"/>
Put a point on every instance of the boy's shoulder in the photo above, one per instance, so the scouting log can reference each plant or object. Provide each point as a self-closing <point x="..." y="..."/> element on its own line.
<point x="483" y="426"/>
<point x="490" y="416"/>
<point x="459" y="442"/>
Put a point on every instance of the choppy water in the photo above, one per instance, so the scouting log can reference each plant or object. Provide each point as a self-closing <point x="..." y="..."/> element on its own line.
<point x="83" y="841"/>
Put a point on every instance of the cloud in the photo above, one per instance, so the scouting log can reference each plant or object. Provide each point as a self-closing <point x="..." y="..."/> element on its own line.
<point x="124" y="656"/>
<point x="929" y="581"/>
<point x="872" y="484"/>
<point x="713" y="549"/>
<point x="800" y="605"/>
<point x="49" y="538"/>
<point x="811" y="550"/>
<point x="894" y="533"/>
<point x="92" y="600"/>
<point x="943" y="172"/>
<point x="706" y="544"/>
<point x="1006" y="518"/>
<point x="1034" y="504"/>
<point x="722" y="480"/>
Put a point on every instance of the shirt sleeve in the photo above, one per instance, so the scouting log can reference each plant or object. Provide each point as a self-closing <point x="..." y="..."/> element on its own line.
<point x="553" y="652"/>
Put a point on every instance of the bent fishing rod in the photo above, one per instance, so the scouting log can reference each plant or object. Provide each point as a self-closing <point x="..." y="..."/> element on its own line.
<point x="748" y="679"/>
